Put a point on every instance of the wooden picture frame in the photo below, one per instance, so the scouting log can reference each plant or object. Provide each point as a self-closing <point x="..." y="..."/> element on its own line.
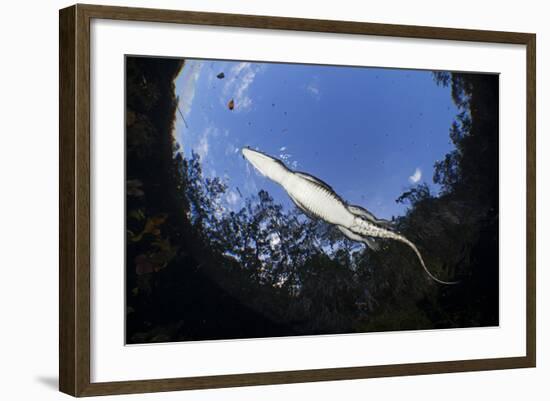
<point x="74" y="205"/>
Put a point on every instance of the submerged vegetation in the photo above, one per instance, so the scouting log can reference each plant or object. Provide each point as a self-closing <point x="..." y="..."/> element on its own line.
<point x="195" y="271"/>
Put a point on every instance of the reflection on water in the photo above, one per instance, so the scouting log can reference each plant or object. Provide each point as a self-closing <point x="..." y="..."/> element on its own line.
<point x="217" y="254"/>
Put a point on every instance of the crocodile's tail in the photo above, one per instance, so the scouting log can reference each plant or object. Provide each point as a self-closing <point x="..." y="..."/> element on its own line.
<point x="364" y="229"/>
<point x="404" y="240"/>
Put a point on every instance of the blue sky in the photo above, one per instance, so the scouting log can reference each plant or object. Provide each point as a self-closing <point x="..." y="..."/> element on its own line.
<point x="370" y="133"/>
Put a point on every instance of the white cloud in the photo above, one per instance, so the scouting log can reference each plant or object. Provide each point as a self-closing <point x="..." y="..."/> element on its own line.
<point x="244" y="103"/>
<point x="313" y="88"/>
<point x="286" y="158"/>
<point x="250" y="186"/>
<point x="236" y="70"/>
<point x="230" y="149"/>
<point x="274" y="240"/>
<point x="190" y="75"/>
<point x="232" y="198"/>
<point x="237" y="87"/>
<point x="203" y="146"/>
<point x="416" y="177"/>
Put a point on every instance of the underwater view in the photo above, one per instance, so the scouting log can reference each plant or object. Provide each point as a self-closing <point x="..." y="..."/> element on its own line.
<point x="274" y="199"/>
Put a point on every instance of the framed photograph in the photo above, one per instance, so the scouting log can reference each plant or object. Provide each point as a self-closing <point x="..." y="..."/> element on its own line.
<point x="250" y="200"/>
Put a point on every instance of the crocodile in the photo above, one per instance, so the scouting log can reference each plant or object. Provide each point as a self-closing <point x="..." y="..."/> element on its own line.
<point x="318" y="200"/>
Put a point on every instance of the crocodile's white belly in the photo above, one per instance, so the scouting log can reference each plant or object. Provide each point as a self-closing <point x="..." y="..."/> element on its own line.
<point x="318" y="201"/>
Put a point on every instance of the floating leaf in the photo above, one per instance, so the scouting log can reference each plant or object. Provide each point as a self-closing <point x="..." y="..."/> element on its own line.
<point x="156" y="261"/>
<point x="153" y="223"/>
<point x="136" y="214"/>
<point x="151" y="226"/>
<point x="165" y="254"/>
